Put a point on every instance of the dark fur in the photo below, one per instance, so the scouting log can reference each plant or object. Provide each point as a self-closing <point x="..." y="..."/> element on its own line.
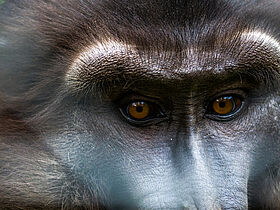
<point x="39" y="41"/>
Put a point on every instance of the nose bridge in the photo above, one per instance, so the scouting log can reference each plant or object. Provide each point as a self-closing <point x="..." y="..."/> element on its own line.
<point x="215" y="179"/>
<point x="204" y="191"/>
<point x="211" y="183"/>
<point x="192" y="163"/>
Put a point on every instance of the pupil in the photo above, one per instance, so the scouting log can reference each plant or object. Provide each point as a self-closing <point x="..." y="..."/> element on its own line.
<point x="139" y="109"/>
<point x="222" y="104"/>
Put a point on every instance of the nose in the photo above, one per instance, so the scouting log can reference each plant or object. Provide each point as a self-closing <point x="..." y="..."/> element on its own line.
<point x="209" y="180"/>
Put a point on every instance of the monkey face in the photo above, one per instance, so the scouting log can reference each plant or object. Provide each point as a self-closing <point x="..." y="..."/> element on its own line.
<point x="139" y="104"/>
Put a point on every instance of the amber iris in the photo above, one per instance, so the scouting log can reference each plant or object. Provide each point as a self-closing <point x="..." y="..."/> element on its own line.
<point x="225" y="105"/>
<point x="139" y="110"/>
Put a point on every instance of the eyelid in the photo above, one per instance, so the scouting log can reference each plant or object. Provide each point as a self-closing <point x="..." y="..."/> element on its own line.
<point x="156" y="117"/>
<point x="131" y="97"/>
<point x="242" y="95"/>
<point x="159" y="116"/>
<point x="237" y="91"/>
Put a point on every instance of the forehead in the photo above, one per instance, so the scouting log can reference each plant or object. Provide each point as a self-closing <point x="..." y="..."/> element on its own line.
<point x="154" y="25"/>
<point x="168" y="44"/>
<point x="206" y="25"/>
<point x="192" y="17"/>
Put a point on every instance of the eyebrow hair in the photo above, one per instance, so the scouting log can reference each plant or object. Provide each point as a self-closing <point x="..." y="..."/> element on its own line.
<point x="92" y="62"/>
<point x="263" y="55"/>
<point x="110" y="61"/>
<point x="264" y="39"/>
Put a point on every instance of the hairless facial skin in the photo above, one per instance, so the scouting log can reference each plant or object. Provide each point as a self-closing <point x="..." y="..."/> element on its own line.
<point x="140" y="104"/>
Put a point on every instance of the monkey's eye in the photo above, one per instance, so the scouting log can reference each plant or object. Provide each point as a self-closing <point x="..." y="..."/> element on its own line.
<point x="142" y="112"/>
<point x="139" y="110"/>
<point x="225" y="107"/>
